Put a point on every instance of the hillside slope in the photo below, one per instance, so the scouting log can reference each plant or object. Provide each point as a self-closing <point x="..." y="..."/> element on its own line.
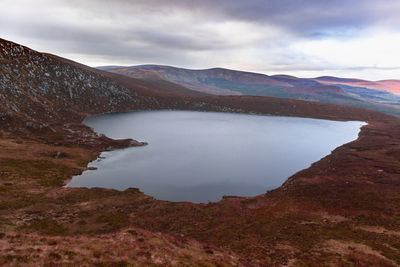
<point x="40" y="91"/>
<point x="42" y="88"/>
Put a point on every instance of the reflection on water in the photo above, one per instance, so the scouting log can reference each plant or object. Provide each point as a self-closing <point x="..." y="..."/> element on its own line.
<point x="201" y="156"/>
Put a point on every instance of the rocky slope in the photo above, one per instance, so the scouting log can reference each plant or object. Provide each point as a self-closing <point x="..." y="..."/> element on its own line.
<point x="44" y="93"/>
<point x="44" y="87"/>
<point x="342" y="211"/>
<point x="38" y="87"/>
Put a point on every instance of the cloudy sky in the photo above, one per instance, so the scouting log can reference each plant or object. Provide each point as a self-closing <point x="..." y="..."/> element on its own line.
<point x="307" y="38"/>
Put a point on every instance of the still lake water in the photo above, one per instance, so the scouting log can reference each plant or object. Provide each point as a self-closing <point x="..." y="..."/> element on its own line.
<point x="202" y="156"/>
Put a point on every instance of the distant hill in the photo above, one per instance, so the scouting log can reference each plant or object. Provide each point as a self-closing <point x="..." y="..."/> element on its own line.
<point x="392" y="86"/>
<point x="380" y="96"/>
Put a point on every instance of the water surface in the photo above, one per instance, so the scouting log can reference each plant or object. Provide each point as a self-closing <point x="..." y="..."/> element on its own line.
<point x="202" y="156"/>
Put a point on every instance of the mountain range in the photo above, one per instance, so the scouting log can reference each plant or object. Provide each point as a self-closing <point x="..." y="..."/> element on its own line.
<point x="383" y="96"/>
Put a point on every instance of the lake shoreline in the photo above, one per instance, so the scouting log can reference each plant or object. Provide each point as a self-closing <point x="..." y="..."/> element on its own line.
<point x="171" y="124"/>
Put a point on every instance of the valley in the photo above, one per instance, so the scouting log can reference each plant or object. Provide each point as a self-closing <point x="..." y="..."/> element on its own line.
<point x="342" y="210"/>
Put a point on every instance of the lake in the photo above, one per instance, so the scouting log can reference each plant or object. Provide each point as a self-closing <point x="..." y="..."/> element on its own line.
<point x="202" y="156"/>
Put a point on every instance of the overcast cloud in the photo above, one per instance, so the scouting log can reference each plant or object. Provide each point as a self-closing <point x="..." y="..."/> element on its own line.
<point x="350" y="38"/>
